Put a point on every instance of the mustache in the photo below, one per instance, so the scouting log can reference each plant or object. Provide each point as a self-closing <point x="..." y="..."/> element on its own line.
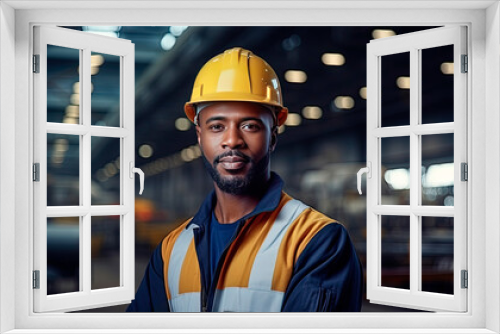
<point x="231" y="154"/>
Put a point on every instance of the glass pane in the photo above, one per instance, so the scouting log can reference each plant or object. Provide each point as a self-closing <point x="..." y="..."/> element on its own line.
<point x="63" y="170"/>
<point x="437" y="170"/>
<point x="105" y="252"/>
<point x="63" y="94"/>
<point x="63" y="255"/>
<point x="396" y="251"/>
<point x="105" y="171"/>
<point x="437" y="84"/>
<point x="105" y="70"/>
<point x="437" y="254"/>
<point x="395" y="86"/>
<point x="395" y="171"/>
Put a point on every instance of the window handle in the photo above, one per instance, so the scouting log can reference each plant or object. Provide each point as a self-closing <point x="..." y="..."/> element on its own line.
<point x="368" y="171"/>
<point x="141" y="175"/>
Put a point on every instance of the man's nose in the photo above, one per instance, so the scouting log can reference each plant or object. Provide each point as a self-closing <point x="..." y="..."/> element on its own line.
<point x="233" y="138"/>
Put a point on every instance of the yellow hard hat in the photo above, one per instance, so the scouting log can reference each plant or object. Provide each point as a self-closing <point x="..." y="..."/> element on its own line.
<point x="237" y="75"/>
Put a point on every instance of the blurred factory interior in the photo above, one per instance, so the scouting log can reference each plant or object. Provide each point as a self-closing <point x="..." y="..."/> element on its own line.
<point x="320" y="149"/>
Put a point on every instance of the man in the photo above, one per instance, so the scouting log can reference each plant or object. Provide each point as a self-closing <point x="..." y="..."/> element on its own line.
<point x="250" y="247"/>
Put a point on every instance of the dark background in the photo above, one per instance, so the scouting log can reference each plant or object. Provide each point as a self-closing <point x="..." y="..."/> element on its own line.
<point x="318" y="159"/>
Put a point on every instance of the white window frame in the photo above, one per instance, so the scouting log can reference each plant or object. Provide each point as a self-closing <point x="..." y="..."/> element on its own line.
<point x="85" y="44"/>
<point x="16" y="21"/>
<point x="413" y="44"/>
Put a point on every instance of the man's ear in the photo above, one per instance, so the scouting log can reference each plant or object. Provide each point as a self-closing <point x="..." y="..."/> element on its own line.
<point x="274" y="138"/>
<point x="198" y="133"/>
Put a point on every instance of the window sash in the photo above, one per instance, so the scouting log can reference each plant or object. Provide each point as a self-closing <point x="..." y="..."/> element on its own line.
<point x="413" y="43"/>
<point x="85" y="297"/>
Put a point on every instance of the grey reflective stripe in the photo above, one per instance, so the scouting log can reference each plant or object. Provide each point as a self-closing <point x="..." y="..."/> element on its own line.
<point x="247" y="300"/>
<point x="187" y="302"/>
<point x="258" y="297"/>
<point x="177" y="259"/>
<point x="261" y="276"/>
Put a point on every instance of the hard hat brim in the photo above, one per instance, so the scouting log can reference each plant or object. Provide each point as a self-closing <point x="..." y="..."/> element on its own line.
<point x="281" y="112"/>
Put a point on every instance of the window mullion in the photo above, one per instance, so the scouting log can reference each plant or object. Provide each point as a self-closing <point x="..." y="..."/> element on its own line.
<point x="415" y="79"/>
<point x="86" y="162"/>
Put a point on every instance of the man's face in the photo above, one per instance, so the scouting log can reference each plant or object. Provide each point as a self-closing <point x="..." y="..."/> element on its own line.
<point x="236" y="139"/>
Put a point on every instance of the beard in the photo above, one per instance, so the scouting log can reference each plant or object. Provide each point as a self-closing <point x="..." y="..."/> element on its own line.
<point x="253" y="182"/>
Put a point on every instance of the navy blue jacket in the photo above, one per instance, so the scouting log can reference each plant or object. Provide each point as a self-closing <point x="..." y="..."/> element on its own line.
<point x="326" y="276"/>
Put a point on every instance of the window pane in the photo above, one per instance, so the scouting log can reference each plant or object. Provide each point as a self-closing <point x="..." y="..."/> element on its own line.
<point x="105" y="252"/>
<point x="105" y="171"/>
<point x="105" y="70"/>
<point x="437" y="84"/>
<point x="395" y="171"/>
<point x="437" y="170"/>
<point x="396" y="251"/>
<point x="63" y="95"/>
<point x="395" y="85"/>
<point x="63" y="255"/>
<point x="437" y="254"/>
<point x="63" y="170"/>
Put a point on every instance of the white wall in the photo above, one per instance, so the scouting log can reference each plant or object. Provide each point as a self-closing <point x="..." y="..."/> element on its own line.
<point x="7" y="160"/>
<point x="485" y="158"/>
<point x="492" y="155"/>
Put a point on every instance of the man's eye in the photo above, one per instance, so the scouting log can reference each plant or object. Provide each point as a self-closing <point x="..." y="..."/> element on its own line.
<point x="251" y="126"/>
<point x="215" y="127"/>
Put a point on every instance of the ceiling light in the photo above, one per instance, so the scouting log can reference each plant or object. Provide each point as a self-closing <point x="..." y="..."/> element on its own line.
<point x="75" y="99"/>
<point x="102" y="28"/>
<point x="182" y="124"/>
<point x="398" y="178"/>
<point x="72" y="111"/>
<point x="101" y="176"/>
<point x="145" y="151"/>
<point x="196" y="150"/>
<point x="94" y="70"/>
<point x="167" y="42"/>
<point x="96" y="60"/>
<point x="293" y="119"/>
<point x="110" y="31"/>
<point x="362" y="93"/>
<point x="281" y="129"/>
<point x="111" y="169"/>
<point x="382" y="33"/>
<point x="295" y="76"/>
<point x="188" y="154"/>
<point x="311" y="112"/>
<point x="447" y="68"/>
<point x="57" y="159"/>
<point x="70" y="120"/>
<point x="403" y="82"/>
<point x="333" y="59"/>
<point x="61" y="144"/>
<point x="344" y="102"/>
<point x="439" y="175"/>
<point x="177" y="30"/>
<point x="185" y="156"/>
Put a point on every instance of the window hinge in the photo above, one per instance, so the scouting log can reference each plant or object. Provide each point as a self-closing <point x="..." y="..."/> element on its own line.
<point x="465" y="279"/>
<point x="36" y="63"/>
<point x="465" y="63"/>
<point x="464" y="171"/>
<point x="36" y="172"/>
<point x="36" y="279"/>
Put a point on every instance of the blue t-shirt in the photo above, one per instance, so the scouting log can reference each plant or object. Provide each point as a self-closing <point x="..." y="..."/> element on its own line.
<point x="220" y="235"/>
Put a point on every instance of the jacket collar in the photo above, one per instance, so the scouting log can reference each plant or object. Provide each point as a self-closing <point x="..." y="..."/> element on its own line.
<point x="268" y="202"/>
